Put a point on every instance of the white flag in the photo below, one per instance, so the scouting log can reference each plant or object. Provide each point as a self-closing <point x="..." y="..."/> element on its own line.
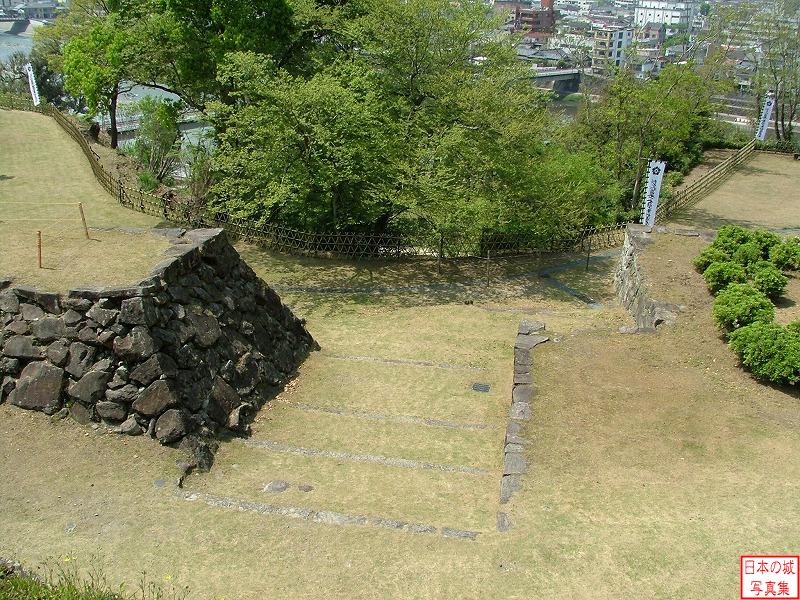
<point x="766" y="114"/>
<point x="655" y="173"/>
<point x="32" y="84"/>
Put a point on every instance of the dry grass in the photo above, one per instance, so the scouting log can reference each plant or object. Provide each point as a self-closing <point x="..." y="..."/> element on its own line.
<point x="762" y="193"/>
<point x="655" y="460"/>
<point x="43" y="177"/>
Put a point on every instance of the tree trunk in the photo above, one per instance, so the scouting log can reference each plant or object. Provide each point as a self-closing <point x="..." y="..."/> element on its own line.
<point x="776" y="121"/>
<point x="112" y="113"/>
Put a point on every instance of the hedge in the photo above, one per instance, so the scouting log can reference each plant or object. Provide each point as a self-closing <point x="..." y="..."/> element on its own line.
<point x="770" y="351"/>
<point x="740" y="304"/>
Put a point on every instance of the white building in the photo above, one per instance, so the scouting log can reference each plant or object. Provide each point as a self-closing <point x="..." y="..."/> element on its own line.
<point x="610" y="46"/>
<point x="677" y="15"/>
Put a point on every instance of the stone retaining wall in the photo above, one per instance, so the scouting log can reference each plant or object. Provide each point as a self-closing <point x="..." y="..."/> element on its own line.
<point x="529" y="335"/>
<point x="193" y="350"/>
<point x="631" y="286"/>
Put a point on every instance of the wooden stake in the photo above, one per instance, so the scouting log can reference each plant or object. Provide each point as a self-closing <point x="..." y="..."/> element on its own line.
<point x="39" y="246"/>
<point x="589" y="252"/>
<point x="83" y="218"/>
<point x="488" y="258"/>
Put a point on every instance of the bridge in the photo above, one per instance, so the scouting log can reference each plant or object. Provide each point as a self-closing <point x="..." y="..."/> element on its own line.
<point x="561" y="81"/>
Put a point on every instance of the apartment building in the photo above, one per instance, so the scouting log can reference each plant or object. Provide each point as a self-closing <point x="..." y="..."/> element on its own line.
<point x="610" y="45"/>
<point x="677" y="15"/>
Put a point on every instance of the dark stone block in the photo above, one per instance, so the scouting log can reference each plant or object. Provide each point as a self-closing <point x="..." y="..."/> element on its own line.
<point x="508" y="485"/>
<point x="57" y="353"/>
<point x="138" y="345"/>
<point x="9" y="303"/>
<point x="138" y="311"/>
<point x="206" y="329"/>
<point x="9" y="366"/>
<point x="111" y="411"/>
<point x="528" y="327"/>
<point x="529" y="342"/>
<point x="18" y="327"/>
<point x="103" y="316"/>
<point x="81" y="357"/>
<point x="82" y="414"/>
<point x="522" y="393"/>
<point x="520" y="411"/>
<point x="124" y="395"/>
<point x="222" y="402"/>
<point x="39" y="388"/>
<point x="155" y="399"/>
<point x="48" y="329"/>
<point x="90" y="388"/>
<point x="21" y="347"/>
<point x="171" y="426"/>
<point x="72" y="317"/>
<point x="154" y="368"/>
<point x="49" y="302"/>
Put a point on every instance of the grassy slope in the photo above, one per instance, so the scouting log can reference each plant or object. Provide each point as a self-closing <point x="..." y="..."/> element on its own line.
<point x="43" y="177"/>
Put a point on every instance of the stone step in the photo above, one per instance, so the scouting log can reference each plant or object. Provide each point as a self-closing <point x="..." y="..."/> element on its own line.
<point x="399" y="389"/>
<point x="431" y="496"/>
<point x="379" y="434"/>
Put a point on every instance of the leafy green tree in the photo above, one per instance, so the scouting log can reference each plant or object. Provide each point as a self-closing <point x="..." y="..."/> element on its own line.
<point x="157" y="146"/>
<point x="96" y="67"/>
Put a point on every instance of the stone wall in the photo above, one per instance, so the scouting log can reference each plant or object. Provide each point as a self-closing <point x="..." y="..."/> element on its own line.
<point x="631" y="285"/>
<point x="192" y="351"/>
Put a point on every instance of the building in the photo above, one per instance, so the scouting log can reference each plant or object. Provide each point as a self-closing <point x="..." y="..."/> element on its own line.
<point x="655" y="33"/>
<point x="610" y="45"/>
<point x="677" y="15"/>
<point x="536" y="20"/>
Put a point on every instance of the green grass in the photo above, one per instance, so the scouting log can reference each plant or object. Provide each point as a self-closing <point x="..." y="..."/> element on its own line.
<point x="43" y="177"/>
<point x="63" y="582"/>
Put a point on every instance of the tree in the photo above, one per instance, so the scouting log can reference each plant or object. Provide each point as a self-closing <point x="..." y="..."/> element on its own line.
<point x="778" y="64"/>
<point x="96" y="66"/>
<point x="423" y="121"/>
<point x="158" y="140"/>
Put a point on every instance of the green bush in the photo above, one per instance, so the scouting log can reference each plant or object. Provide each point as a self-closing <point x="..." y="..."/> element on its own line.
<point x="770" y="351"/>
<point x="786" y="255"/>
<point x="720" y="274"/>
<point x="730" y="237"/>
<point x="747" y="254"/>
<point x="147" y="181"/>
<point x="766" y="240"/>
<point x="768" y="278"/>
<point x="794" y="327"/>
<point x="740" y="304"/>
<point x="707" y="257"/>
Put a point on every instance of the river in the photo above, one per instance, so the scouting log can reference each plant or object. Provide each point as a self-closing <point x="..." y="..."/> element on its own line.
<point x="14" y="43"/>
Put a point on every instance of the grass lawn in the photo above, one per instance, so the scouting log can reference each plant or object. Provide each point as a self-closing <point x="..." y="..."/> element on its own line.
<point x="761" y="193"/>
<point x="43" y="177"/>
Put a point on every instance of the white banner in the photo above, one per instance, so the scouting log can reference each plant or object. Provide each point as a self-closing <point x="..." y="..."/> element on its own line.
<point x="32" y="84"/>
<point x="655" y="174"/>
<point x="766" y="115"/>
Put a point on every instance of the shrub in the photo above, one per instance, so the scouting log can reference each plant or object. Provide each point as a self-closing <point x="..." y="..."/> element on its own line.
<point x="747" y="254"/>
<point x="770" y="351"/>
<point x="740" y="304"/>
<point x="766" y="240"/>
<point x="794" y="327"/>
<point x="730" y="237"/>
<point x="708" y="256"/>
<point x="720" y="274"/>
<point x="147" y="181"/>
<point x="768" y="278"/>
<point x="786" y="255"/>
